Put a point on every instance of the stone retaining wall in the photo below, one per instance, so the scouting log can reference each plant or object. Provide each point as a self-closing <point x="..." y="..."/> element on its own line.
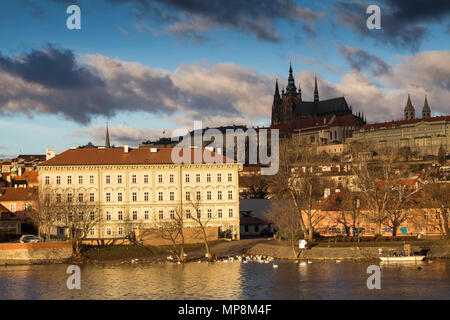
<point x="30" y="253"/>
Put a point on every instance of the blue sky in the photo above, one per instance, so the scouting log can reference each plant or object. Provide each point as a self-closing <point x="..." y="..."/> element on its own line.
<point x="222" y="65"/>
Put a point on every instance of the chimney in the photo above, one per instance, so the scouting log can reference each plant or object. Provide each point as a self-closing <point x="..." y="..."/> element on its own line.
<point x="49" y="153"/>
<point x="125" y="148"/>
<point x="153" y="150"/>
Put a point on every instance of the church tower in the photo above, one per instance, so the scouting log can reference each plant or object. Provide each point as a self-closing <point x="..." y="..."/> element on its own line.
<point x="426" y="111"/>
<point x="410" y="112"/>
<point x="316" y="91"/>
<point x="276" y="105"/>
<point x="107" y="144"/>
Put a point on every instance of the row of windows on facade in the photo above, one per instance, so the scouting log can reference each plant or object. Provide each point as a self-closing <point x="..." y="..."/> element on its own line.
<point x="134" y="196"/>
<point x="25" y="206"/>
<point x="134" y="179"/>
<point x="161" y="216"/>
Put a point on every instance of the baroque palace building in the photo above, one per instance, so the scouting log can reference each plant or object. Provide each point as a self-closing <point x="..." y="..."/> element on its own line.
<point x="142" y="187"/>
<point x="423" y="135"/>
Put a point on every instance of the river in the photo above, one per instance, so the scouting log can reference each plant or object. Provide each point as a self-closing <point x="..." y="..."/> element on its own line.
<point x="231" y="280"/>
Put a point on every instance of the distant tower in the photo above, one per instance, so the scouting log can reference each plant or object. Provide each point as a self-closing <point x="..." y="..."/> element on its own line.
<point x="316" y="91"/>
<point x="291" y="89"/>
<point x="410" y="112"/>
<point x="426" y="111"/>
<point x="276" y="105"/>
<point x="107" y="144"/>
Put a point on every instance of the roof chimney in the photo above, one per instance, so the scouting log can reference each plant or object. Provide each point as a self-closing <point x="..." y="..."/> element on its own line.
<point x="153" y="150"/>
<point x="125" y="148"/>
<point x="49" y="153"/>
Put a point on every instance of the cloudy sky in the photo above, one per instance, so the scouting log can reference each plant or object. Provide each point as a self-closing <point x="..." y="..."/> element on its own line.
<point x="150" y="66"/>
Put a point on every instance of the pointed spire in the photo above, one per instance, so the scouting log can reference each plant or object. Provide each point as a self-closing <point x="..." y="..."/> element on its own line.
<point x="316" y="91"/>
<point x="277" y="91"/>
<point x="426" y="111"/>
<point x="291" y="82"/>
<point x="107" y="144"/>
<point x="410" y="112"/>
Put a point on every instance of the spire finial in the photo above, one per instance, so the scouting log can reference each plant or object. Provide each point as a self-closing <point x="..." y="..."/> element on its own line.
<point x="291" y="82"/>
<point x="107" y="144"/>
<point x="316" y="91"/>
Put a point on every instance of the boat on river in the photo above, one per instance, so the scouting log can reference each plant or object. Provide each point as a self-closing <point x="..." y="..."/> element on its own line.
<point x="402" y="258"/>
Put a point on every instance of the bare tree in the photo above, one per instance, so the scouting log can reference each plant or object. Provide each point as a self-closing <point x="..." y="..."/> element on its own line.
<point x="437" y="197"/>
<point x="257" y="186"/>
<point x="44" y="215"/>
<point x="287" y="221"/>
<point x="349" y="205"/>
<point x="298" y="181"/>
<point x="172" y="230"/>
<point x="198" y="216"/>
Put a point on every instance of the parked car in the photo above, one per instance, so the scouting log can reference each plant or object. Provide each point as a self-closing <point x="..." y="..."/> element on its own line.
<point x="30" y="239"/>
<point x="266" y="233"/>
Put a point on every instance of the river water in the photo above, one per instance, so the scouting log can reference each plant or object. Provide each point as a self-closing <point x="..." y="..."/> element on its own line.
<point x="231" y="280"/>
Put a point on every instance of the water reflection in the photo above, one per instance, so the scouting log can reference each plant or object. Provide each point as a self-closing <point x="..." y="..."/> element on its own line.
<point x="231" y="280"/>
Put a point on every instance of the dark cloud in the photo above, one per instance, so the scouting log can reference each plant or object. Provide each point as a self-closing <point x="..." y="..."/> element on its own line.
<point x="403" y="23"/>
<point x="257" y="17"/>
<point x="359" y="59"/>
<point x="51" y="67"/>
<point x="53" y="81"/>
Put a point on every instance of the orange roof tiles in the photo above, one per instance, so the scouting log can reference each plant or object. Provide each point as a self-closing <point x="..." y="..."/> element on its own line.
<point x="18" y="194"/>
<point x="403" y="122"/>
<point x="117" y="156"/>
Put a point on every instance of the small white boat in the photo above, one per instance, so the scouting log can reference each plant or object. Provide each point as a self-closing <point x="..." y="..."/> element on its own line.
<point x="402" y="259"/>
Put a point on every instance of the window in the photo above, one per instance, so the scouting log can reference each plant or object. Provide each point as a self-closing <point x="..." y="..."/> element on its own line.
<point x="58" y="180"/>
<point x="145" y="196"/>
<point x="208" y="177"/>
<point x="230" y="195"/>
<point x="188" y="196"/>
<point x="230" y="177"/>
<point x="172" y="214"/>
<point x="197" y="177"/>
<point x="438" y="214"/>
<point x="108" y="231"/>
<point x="92" y="232"/>
<point x="208" y="195"/>
<point x="108" y="179"/>
<point x="80" y="179"/>
<point x="146" y="215"/>
<point x="161" y="215"/>
<point x="160" y="196"/>
<point x="92" y="215"/>
<point x="58" y="197"/>
<point x="120" y="215"/>
<point x="188" y="214"/>
<point x="12" y="207"/>
<point x="119" y="197"/>
<point x="160" y="178"/>
<point x="119" y="178"/>
<point x="426" y="216"/>
<point x="171" y="178"/>
<point x="256" y="228"/>
<point x="69" y="197"/>
<point x="198" y="195"/>
<point x="120" y="231"/>
<point x="219" y="177"/>
<point x="187" y="178"/>
<point x="134" y="196"/>
<point x="219" y="195"/>
<point x="108" y="197"/>
<point x="69" y="179"/>
<point x="91" y="197"/>
<point x="219" y="213"/>
<point x="47" y="180"/>
<point x="108" y="215"/>
<point x="91" y="179"/>
<point x="80" y="197"/>
<point x="209" y="213"/>
<point x="246" y="228"/>
<point x="145" y="178"/>
<point x="133" y="178"/>
<point x="199" y="214"/>
<point x="230" y="213"/>
<point x="172" y="196"/>
<point x="135" y="215"/>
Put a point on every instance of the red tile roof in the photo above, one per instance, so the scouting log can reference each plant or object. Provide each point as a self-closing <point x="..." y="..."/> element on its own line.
<point x="318" y="123"/>
<point x="28" y="176"/>
<point x="3" y="209"/>
<point x="117" y="156"/>
<point x="18" y="194"/>
<point x="403" y="122"/>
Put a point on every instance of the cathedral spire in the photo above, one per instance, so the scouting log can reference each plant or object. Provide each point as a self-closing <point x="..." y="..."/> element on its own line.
<point x="291" y="82"/>
<point x="410" y="112"/>
<point x="107" y="144"/>
<point x="426" y="111"/>
<point x="316" y="91"/>
<point x="277" y="91"/>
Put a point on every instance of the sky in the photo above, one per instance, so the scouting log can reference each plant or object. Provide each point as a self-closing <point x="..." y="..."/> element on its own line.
<point x="150" y="66"/>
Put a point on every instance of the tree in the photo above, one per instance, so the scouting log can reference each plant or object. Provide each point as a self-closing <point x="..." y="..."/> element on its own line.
<point x="437" y="197"/>
<point x="257" y="186"/>
<point x="287" y="221"/>
<point x="44" y="215"/>
<point x="442" y="155"/>
<point x="298" y="181"/>
<point x="172" y="230"/>
<point x="349" y="205"/>
<point x="77" y="215"/>
<point x="195" y="203"/>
